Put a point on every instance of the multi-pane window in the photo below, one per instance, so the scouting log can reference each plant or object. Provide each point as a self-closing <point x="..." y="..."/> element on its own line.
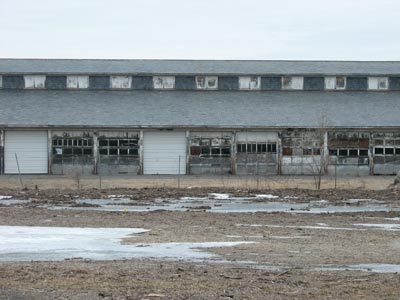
<point x="77" y="82"/>
<point x="378" y="83"/>
<point x="121" y="82"/>
<point x="119" y="147"/>
<point x="210" y="146"/>
<point x="207" y="82"/>
<point x="34" y="81"/>
<point x="164" y="82"/>
<point x="335" y="83"/>
<point x="311" y="151"/>
<point x="349" y="152"/>
<point x="292" y="83"/>
<point x="249" y="82"/>
<point x="72" y="146"/>
<point x="256" y="148"/>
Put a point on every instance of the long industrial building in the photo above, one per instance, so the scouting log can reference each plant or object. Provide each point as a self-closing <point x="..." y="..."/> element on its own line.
<point x="109" y="117"/>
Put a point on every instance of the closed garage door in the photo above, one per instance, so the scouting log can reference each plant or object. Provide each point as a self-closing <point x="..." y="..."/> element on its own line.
<point x="31" y="150"/>
<point x="162" y="151"/>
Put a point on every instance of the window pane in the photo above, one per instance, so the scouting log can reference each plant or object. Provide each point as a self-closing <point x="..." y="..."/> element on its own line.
<point x="195" y="150"/>
<point x="353" y="152"/>
<point x="259" y="148"/>
<point x="87" y="151"/>
<point x="134" y="152"/>
<point x="333" y="152"/>
<point x="363" y="152"/>
<point x="77" y="151"/>
<point x="123" y="151"/>
<point x="389" y="151"/>
<point x="205" y="151"/>
<point x="378" y="150"/>
<point x="215" y="151"/>
<point x="343" y="152"/>
<point x="307" y="152"/>
<point x="254" y="148"/>
<point x="103" y="143"/>
<point x="113" y="151"/>
<point x="113" y="143"/>
<point x="103" y="151"/>
<point x="226" y="151"/>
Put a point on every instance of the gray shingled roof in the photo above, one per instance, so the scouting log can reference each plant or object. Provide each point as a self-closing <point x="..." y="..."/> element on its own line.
<point x="198" y="109"/>
<point x="87" y="66"/>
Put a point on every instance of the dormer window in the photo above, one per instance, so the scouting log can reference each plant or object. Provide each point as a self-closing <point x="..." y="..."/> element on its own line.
<point x="378" y="83"/>
<point x="77" y="82"/>
<point x="292" y="83"/>
<point x="335" y="83"/>
<point x="207" y="82"/>
<point x="164" y="82"/>
<point x="249" y="82"/>
<point x="121" y="82"/>
<point x="35" y="81"/>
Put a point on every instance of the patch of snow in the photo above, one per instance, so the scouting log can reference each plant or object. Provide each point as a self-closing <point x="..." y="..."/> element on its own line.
<point x="394" y="227"/>
<point x="290" y="197"/>
<point x="290" y="237"/>
<point x="373" y="268"/>
<point x="218" y="196"/>
<point x="393" y="219"/>
<point x="5" y="197"/>
<point x="14" y="201"/>
<point x="267" y="196"/>
<point x="25" y="243"/>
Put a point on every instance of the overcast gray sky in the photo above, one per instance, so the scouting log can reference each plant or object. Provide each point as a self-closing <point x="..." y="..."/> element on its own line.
<point x="201" y="29"/>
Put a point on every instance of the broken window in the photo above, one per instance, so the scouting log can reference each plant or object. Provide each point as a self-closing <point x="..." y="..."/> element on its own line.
<point x="119" y="146"/>
<point x="378" y="83"/>
<point x="72" y="146"/>
<point x="249" y="82"/>
<point x="164" y="82"/>
<point x="340" y="82"/>
<point x="34" y="81"/>
<point x="121" y="82"/>
<point x="207" y="82"/>
<point x="77" y="82"/>
<point x="292" y="83"/>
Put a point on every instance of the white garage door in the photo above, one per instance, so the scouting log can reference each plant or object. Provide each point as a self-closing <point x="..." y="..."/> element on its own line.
<point x="162" y="151"/>
<point x="31" y="150"/>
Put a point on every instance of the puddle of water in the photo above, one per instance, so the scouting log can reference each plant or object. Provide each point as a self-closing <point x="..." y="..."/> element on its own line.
<point x="224" y="203"/>
<point x="302" y="227"/>
<point x="373" y="268"/>
<point x="393" y="227"/>
<point x="14" y="201"/>
<point x="24" y="243"/>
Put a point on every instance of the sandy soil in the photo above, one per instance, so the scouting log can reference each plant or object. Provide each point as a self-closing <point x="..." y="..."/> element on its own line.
<point x="294" y="244"/>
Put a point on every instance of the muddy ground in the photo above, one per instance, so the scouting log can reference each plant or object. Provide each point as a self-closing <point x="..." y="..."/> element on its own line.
<point x="294" y="256"/>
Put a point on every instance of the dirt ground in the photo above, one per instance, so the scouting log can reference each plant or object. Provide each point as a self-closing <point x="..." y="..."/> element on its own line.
<point x="286" y="260"/>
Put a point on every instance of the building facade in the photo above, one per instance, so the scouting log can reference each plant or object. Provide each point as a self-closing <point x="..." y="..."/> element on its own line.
<point x="139" y="117"/>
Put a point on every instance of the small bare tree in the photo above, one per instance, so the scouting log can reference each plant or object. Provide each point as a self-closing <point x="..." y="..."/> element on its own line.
<point x="320" y="165"/>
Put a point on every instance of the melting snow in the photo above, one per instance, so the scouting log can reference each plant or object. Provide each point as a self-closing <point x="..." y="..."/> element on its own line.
<point x="267" y="196"/>
<point x="5" y="197"/>
<point x="24" y="243"/>
<point x="219" y="196"/>
<point x="381" y="226"/>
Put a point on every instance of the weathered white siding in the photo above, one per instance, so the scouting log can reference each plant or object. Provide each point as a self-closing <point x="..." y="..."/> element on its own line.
<point x="164" y="82"/>
<point x="292" y="83"/>
<point x="378" y="83"/>
<point x="249" y="82"/>
<point x="34" y="81"/>
<point x="207" y="82"/>
<point x="77" y="82"/>
<point x="121" y="82"/>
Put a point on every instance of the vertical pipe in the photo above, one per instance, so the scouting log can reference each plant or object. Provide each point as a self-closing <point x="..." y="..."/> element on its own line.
<point x="141" y="152"/>
<point x="325" y="152"/>
<point x="187" y="152"/>
<point x="233" y="154"/>
<point x="49" y="152"/>
<point x="371" y="155"/>
<point x="2" y="152"/>
<point x="95" y="152"/>
<point x="279" y="154"/>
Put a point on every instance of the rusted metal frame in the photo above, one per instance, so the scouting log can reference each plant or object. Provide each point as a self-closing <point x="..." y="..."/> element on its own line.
<point x="187" y="152"/>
